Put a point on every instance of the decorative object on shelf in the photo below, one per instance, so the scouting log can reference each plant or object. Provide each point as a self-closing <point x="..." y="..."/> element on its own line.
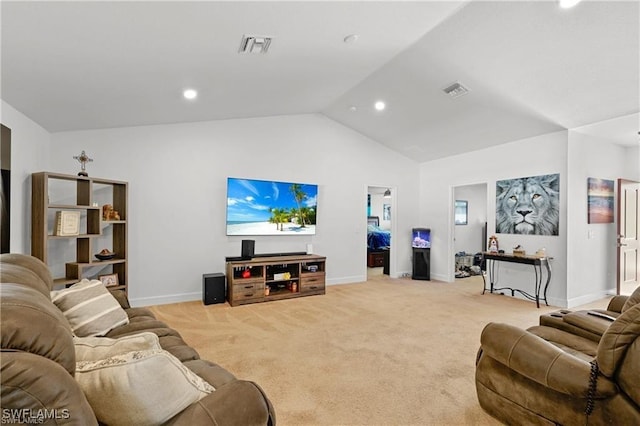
<point x="246" y="273"/>
<point x="282" y="276"/>
<point x="267" y="289"/>
<point x="109" y="280"/>
<point x="542" y="252"/>
<point x="105" y="254"/>
<point x="67" y="223"/>
<point x="518" y="251"/>
<point x="493" y="244"/>
<point x="108" y="213"/>
<point x="83" y="159"/>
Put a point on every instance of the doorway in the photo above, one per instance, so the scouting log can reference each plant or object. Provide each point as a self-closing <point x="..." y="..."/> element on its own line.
<point x="379" y="225"/>
<point x="628" y="238"/>
<point x="469" y="229"/>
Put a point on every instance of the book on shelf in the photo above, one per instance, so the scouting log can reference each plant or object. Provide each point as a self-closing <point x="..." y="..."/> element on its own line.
<point x="67" y="223"/>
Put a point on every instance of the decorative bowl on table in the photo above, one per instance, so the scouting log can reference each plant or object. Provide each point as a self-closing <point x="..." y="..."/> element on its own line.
<point x="105" y="256"/>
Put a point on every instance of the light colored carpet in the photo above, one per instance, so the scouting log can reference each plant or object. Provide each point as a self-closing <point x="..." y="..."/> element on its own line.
<point x="384" y="352"/>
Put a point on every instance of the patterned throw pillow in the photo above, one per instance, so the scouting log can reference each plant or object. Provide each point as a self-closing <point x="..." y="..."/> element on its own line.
<point x="90" y="308"/>
<point x="146" y="387"/>
<point x="97" y="348"/>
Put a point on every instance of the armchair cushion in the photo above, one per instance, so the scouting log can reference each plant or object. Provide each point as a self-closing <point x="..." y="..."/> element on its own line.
<point x="31" y="323"/>
<point x="633" y="300"/>
<point x="540" y="361"/>
<point x="617" y="340"/>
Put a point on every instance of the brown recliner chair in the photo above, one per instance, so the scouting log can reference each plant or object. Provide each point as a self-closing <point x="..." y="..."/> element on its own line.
<point x="590" y="324"/>
<point x="38" y="360"/>
<point x="547" y="376"/>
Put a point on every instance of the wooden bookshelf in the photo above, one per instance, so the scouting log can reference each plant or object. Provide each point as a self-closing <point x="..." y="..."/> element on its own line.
<point x="54" y="192"/>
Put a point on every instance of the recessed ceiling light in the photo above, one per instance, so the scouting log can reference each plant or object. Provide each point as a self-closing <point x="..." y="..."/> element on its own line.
<point x="351" y="38"/>
<point x="353" y="108"/>
<point x="567" y="4"/>
<point x="379" y="106"/>
<point x="190" y="94"/>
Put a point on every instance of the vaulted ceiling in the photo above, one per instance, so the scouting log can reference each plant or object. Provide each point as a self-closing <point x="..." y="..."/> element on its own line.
<point x="530" y="67"/>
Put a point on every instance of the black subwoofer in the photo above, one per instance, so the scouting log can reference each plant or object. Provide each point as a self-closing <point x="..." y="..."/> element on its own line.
<point x="213" y="288"/>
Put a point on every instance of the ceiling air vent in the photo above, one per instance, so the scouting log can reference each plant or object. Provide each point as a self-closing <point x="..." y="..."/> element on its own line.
<point x="254" y="44"/>
<point x="455" y="90"/>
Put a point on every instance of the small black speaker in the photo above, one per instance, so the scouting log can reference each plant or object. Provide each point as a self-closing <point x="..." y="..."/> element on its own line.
<point x="248" y="247"/>
<point x="213" y="288"/>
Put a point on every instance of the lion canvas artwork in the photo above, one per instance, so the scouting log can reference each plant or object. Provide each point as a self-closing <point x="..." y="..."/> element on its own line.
<point x="529" y="205"/>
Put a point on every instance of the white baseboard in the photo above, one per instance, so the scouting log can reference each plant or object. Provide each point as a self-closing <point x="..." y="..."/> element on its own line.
<point x="588" y="298"/>
<point x="164" y="300"/>
<point x="347" y="280"/>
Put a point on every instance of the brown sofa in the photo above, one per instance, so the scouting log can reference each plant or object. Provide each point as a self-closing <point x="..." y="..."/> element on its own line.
<point x="550" y="375"/>
<point x="38" y="359"/>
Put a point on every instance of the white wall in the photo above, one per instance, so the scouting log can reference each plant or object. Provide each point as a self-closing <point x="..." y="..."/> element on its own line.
<point x="546" y="154"/>
<point x="177" y="193"/>
<point x="29" y="153"/>
<point x="632" y="163"/>
<point x="468" y="238"/>
<point x="591" y="248"/>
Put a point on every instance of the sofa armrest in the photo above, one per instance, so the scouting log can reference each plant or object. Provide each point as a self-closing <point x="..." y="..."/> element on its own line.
<point x="595" y="322"/>
<point x="541" y="361"/>
<point x="239" y="402"/>
<point x="616" y="303"/>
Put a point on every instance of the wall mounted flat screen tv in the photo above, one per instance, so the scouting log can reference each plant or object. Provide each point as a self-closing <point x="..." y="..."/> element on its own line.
<point x="261" y="207"/>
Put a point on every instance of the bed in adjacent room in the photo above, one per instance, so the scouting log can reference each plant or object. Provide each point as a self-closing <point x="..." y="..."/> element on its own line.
<point x="378" y="240"/>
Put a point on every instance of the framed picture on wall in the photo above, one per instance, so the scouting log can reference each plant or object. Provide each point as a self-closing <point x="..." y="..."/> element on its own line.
<point x="386" y="211"/>
<point x="461" y="212"/>
<point x="600" y="200"/>
<point x="528" y="205"/>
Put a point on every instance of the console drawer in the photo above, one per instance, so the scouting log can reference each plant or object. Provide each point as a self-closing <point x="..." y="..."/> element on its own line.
<point x="247" y="290"/>
<point x="312" y="282"/>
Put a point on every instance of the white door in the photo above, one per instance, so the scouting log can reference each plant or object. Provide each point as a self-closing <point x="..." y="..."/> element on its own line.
<point x="628" y="236"/>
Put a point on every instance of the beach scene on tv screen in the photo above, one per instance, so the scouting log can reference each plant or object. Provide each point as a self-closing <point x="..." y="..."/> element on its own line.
<point x="260" y="207"/>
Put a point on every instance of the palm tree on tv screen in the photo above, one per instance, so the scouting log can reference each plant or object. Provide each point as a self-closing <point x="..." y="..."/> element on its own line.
<point x="278" y="216"/>
<point x="299" y="195"/>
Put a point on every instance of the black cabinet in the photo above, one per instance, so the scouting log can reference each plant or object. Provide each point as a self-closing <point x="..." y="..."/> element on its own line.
<point x="421" y="264"/>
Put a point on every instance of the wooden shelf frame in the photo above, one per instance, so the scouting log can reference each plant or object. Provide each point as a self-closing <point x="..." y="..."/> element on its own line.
<point x="84" y="192"/>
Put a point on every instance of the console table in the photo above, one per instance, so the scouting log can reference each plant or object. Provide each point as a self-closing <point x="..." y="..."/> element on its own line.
<point x="266" y="278"/>
<point x="537" y="262"/>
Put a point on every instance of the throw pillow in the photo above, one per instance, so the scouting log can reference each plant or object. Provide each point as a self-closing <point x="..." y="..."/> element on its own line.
<point x="139" y="388"/>
<point x="97" y="348"/>
<point x="90" y="308"/>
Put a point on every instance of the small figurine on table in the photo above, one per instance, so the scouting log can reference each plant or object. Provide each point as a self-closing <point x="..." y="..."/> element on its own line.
<point x="493" y="244"/>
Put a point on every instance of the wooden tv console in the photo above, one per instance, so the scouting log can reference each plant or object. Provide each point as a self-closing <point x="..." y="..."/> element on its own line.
<point x="263" y="279"/>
